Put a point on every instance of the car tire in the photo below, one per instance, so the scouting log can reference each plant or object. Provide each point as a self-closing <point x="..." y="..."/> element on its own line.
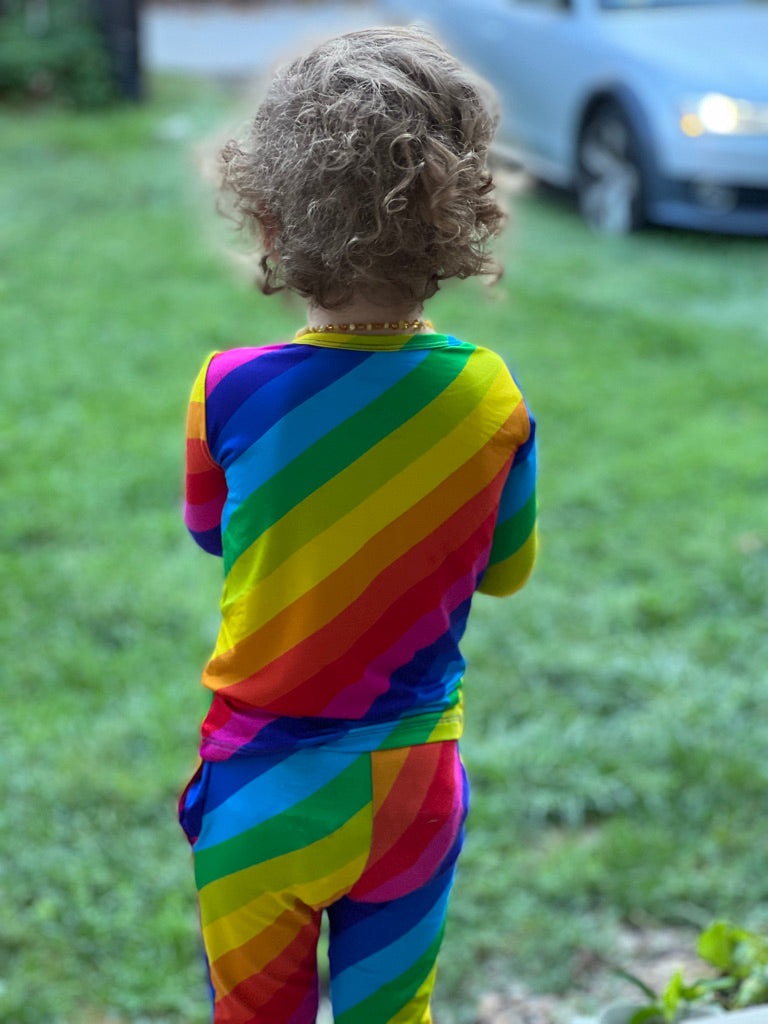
<point x="609" y="181"/>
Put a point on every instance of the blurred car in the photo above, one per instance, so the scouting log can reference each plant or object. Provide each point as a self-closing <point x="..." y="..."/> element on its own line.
<point x="649" y="110"/>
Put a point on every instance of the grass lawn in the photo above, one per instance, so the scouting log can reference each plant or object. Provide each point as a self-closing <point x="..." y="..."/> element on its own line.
<point x="616" y="730"/>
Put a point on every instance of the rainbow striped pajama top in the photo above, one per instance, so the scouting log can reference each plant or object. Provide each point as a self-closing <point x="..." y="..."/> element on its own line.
<point x="360" y="490"/>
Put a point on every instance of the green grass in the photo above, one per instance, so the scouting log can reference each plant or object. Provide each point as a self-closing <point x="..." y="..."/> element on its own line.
<point x="616" y="729"/>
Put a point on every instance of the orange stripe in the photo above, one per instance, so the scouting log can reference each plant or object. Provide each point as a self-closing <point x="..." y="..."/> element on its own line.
<point x="287" y="673"/>
<point x="301" y="666"/>
<point x="233" y="967"/>
<point x="196" y="421"/>
<point x="261" y="986"/>
<point x="388" y="766"/>
<point x="316" y="608"/>
<point x="401" y="808"/>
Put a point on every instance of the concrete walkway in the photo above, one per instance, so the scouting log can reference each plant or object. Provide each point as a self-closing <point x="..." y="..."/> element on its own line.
<point x="217" y="39"/>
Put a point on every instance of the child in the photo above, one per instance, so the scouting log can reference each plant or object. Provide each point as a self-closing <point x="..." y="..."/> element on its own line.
<point x="361" y="481"/>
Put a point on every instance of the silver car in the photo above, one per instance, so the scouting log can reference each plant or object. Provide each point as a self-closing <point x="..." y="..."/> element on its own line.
<point x="649" y="110"/>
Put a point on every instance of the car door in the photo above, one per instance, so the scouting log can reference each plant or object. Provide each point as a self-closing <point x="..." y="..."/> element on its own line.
<point x="538" y="54"/>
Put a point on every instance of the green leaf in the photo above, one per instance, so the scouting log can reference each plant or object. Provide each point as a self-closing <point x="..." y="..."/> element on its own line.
<point x="753" y="991"/>
<point x="647" y="1015"/>
<point x="717" y="944"/>
<point x="637" y="982"/>
<point x="673" y="995"/>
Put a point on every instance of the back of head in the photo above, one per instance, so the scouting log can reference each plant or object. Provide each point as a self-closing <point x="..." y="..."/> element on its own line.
<point x="364" y="172"/>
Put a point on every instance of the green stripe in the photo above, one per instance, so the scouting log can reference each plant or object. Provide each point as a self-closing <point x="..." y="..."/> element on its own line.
<point x="510" y="535"/>
<point x="320" y="814"/>
<point x="433" y="341"/>
<point x="337" y="449"/>
<point x="386" y="1002"/>
<point x="416" y="729"/>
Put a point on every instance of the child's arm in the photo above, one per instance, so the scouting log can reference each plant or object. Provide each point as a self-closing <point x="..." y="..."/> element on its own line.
<point x="206" y="485"/>
<point x="514" y="540"/>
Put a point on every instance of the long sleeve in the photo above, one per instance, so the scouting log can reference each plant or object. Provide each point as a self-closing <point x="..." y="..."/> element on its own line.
<point x="206" y="486"/>
<point x="515" y="539"/>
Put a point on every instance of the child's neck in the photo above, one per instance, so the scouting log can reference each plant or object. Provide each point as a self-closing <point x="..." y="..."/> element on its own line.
<point x="367" y="317"/>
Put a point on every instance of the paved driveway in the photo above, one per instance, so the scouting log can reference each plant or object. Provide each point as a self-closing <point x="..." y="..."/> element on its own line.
<point x="225" y="40"/>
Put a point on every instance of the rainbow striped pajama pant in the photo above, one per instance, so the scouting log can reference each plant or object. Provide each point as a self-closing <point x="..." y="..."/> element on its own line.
<point x="371" y="839"/>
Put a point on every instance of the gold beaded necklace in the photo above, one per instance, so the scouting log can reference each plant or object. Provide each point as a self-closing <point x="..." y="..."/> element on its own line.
<point x="403" y="326"/>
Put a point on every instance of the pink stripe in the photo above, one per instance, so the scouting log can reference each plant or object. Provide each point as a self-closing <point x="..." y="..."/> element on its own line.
<point x="419" y="874"/>
<point x="356" y="699"/>
<point x="225" y="362"/>
<point x="204" y="517"/>
<point x="239" y="731"/>
<point x="306" y="1013"/>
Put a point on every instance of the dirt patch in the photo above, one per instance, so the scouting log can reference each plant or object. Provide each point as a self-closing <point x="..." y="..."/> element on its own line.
<point x="652" y="955"/>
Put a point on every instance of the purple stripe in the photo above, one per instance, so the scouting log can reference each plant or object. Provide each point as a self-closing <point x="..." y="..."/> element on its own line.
<point x="425" y="867"/>
<point x="223" y="363"/>
<point x="207" y="516"/>
<point x="356" y="699"/>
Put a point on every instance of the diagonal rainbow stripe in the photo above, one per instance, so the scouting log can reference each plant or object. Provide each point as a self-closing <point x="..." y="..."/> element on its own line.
<point x="360" y="491"/>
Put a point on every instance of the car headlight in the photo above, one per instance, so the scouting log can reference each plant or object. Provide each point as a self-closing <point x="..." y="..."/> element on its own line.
<point x="716" y="114"/>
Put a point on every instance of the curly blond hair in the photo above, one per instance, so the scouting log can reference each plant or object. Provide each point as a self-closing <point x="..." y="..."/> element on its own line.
<point x="364" y="171"/>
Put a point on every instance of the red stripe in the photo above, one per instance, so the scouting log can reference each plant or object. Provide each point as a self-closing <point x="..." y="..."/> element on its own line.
<point x="393" y="601"/>
<point x="218" y="716"/>
<point x="413" y="828"/>
<point x="198" y="455"/>
<point x="390" y="625"/>
<point x="258" y="648"/>
<point x="276" y="992"/>
<point x="205" y="485"/>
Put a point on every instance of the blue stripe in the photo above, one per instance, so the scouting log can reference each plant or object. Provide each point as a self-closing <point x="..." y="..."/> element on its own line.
<point x="243" y="380"/>
<point x="354" y="984"/>
<point x="362" y="929"/>
<point x="209" y="540"/>
<point x="318" y="414"/>
<point x="519" y="486"/>
<point x="523" y="451"/>
<point x="278" y="380"/>
<point x="282" y="786"/>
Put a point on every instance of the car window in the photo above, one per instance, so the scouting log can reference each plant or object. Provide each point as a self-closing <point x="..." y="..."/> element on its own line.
<point x="543" y="5"/>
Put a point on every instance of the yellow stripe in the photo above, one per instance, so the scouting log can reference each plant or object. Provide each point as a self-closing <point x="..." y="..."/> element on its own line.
<point x="256" y="952"/>
<point x="328" y="550"/>
<point x="419" y="999"/>
<point x="230" y="905"/>
<point x="406" y="439"/>
<point x="196" y="424"/>
<point x="446" y="725"/>
<point x="198" y="388"/>
<point x="368" y="343"/>
<point x="508" y="576"/>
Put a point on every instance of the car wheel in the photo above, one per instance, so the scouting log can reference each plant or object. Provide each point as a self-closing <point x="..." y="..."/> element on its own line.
<point x="609" y="181"/>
